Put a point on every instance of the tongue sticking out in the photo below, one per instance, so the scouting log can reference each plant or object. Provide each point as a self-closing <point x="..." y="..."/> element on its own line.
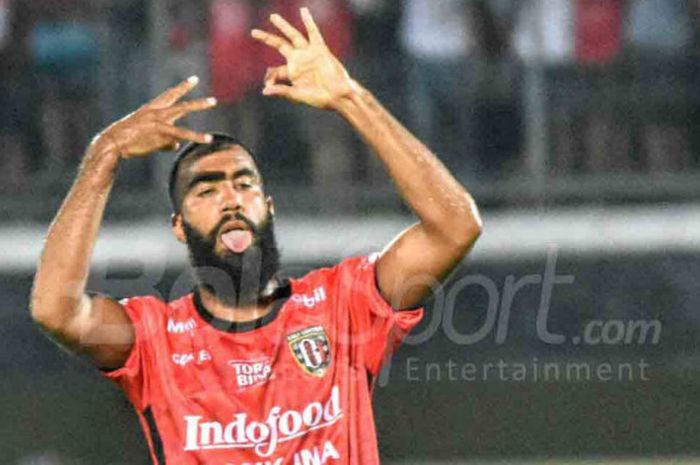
<point x="237" y="240"/>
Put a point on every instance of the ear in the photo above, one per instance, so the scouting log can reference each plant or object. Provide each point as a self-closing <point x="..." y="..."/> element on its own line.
<point x="270" y="205"/>
<point x="176" y="225"/>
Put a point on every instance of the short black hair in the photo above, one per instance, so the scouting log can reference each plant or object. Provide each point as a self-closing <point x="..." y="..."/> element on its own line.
<point x="220" y="141"/>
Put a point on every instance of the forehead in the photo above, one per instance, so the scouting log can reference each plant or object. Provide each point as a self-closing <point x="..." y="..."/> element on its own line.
<point x="226" y="160"/>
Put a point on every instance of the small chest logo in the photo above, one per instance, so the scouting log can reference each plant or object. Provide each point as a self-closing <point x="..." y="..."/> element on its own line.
<point x="181" y="327"/>
<point x="251" y="373"/>
<point x="184" y="359"/>
<point x="311" y="349"/>
<point x="317" y="296"/>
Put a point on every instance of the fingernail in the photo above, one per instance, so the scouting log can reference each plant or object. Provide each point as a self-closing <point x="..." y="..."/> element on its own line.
<point x="193" y="79"/>
<point x="274" y="16"/>
<point x="211" y="101"/>
<point x="266" y="91"/>
<point x="208" y="138"/>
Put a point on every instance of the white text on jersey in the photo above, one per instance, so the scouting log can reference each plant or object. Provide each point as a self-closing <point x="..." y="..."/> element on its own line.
<point x="318" y="295"/>
<point x="184" y="359"/>
<point x="264" y="436"/>
<point x="179" y="327"/>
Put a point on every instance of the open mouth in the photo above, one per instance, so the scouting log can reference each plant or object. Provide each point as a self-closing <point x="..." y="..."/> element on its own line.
<point x="236" y="236"/>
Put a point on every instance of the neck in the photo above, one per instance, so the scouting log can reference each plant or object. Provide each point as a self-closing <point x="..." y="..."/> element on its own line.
<point x="240" y="312"/>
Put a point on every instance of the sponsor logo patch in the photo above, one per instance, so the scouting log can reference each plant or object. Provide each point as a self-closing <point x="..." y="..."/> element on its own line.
<point x="181" y="327"/>
<point x="317" y="296"/>
<point x="184" y="359"/>
<point x="263" y="435"/>
<point x="251" y="373"/>
<point x="311" y="350"/>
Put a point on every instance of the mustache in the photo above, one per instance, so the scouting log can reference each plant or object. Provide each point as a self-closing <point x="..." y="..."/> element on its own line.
<point x="238" y="216"/>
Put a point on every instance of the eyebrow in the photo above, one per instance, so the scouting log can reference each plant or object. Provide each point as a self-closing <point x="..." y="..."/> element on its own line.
<point x="213" y="176"/>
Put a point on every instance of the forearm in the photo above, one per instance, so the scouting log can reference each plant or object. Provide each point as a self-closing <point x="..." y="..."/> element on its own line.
<point x="435" y="196"/>
<point x="59" y="284"/>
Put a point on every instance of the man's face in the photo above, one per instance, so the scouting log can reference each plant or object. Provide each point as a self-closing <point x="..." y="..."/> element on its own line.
<point x="227" y="224"/>
<point x="214" y="188"/>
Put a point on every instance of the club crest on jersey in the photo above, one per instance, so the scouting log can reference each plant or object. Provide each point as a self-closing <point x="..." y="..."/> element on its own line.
<point x="311" y="349"/>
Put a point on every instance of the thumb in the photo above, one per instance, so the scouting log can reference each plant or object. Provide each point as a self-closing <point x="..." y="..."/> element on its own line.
<point x="281" y="90"/>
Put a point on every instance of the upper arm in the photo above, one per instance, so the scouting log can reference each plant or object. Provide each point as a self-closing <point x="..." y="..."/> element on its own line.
<point x="99" y="329"/>
<point x="416" y="262"/>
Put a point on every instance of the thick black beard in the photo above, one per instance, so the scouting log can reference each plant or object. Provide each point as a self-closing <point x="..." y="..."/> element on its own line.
<point x="236" y="279"/>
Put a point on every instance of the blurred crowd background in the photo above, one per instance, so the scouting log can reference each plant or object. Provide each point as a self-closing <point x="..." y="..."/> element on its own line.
<point x="527" y="102"/>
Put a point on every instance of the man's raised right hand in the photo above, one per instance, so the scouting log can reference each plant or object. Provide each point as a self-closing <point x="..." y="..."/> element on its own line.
<point x="152" y="127"/>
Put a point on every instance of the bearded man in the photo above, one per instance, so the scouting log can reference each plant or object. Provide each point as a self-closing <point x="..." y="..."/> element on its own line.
<point x="251" y="367"/>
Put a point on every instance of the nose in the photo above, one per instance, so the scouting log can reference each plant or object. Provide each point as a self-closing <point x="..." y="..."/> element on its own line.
<point x="231" y="199"/>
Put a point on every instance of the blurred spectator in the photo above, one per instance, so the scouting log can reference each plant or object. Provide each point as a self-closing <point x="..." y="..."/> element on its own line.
<point x="329" y="139"/>
<point x="20" y="137"/>
<point x="498" y="106"/>
<point x="584" y="127"/>
<point x="13" y="160"/>
<point x="4" y="23"/>
<point x="659" y="36"/>
<point x="543" y="37"/>
<point x="376" y="61"/>
<point x="377" y="64"/>
<point x="65" y="50"/>
<point x="603" y="125"/>
<point x="659" y="26"/>
<point x="582" y="124"/>
<point x="614" y="111"/>
<point x="446" y="42"/>
<point x="188" y="46"/>
<point x="236" y="69"/>
<point x="598" y="30"/>
<point x="279" y="132"/>
<point x="544" y="31"/>
<point x="126" y="66"/>
<point x="126" y="54"/>
<point x="694" y="9"/>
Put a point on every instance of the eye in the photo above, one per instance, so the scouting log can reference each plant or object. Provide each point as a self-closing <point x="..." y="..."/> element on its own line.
<point x="245" y="185"/>
<point x="206" y="192"/>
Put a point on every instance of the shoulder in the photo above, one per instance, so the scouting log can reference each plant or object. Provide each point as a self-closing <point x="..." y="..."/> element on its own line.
<point x="152" y="316"/>
<point x="153" y="306"/>
<point x="349" y="269"/>
<point x="330" y="274"/>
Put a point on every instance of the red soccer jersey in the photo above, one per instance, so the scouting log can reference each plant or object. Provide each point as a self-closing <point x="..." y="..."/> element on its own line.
<point x="293" y="387"/>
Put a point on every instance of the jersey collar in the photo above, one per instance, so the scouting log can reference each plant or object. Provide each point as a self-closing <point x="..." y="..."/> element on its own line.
<point x="282" y="294"/>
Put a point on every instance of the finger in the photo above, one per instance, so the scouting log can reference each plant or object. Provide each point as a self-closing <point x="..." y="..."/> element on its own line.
<point x="311" y="27"/>
<point x="273" y="41"/>
<point x="280" y="90"/>
<point x="176" y="112"/>
<point x="184" y="134"/>
<point x="276" y="74"/>
<point x="175" y="93"/>
<point x="289" y="31"/>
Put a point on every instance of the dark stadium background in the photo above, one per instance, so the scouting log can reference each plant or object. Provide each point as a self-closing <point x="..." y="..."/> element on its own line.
<point x="583" y="149"/>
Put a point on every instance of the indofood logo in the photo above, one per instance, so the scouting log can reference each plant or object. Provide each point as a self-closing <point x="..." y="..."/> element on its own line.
<point x="264" y="436"/>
